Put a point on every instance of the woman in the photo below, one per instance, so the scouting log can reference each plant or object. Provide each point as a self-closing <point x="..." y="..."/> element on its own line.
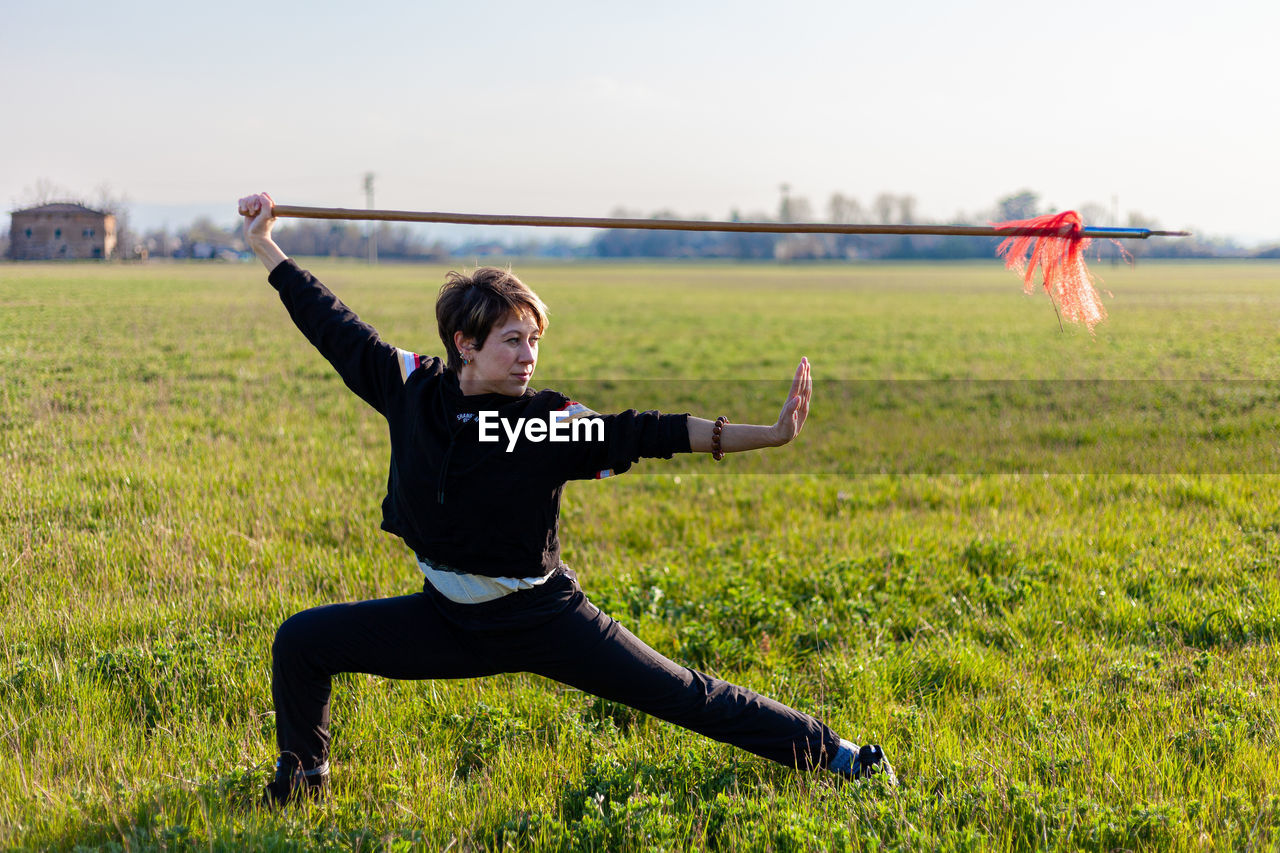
<point x="474" y="490"/>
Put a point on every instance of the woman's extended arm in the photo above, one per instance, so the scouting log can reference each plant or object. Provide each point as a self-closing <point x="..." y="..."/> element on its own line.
<point x="258" y="211"/>
<point x="372" y="368"/>
<point x="739" y="437"/>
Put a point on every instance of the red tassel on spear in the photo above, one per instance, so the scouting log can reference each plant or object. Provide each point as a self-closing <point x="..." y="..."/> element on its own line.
<point x="1056" y="242"/>
<point x="1059" y="253"/>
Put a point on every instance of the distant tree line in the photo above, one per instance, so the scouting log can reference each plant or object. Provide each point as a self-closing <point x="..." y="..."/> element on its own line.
<point x="204" y="239"/>
<point x="884" y="209"/>
<point x="347" y="239"/>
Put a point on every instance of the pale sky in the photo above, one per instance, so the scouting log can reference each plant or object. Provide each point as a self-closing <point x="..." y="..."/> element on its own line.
<point x="565" y="107"/>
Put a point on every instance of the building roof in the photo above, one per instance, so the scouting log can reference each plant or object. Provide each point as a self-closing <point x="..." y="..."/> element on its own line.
<point x="62" y="207"/>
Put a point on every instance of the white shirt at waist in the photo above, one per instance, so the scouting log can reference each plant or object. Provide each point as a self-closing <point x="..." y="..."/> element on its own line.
<point x="466" y="588"/>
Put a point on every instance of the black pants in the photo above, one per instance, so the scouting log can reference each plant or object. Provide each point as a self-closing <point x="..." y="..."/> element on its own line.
<point x="552" y="630"/>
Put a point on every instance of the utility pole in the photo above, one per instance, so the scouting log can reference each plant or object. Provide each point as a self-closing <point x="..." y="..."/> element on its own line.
<point x="373" y="234"/>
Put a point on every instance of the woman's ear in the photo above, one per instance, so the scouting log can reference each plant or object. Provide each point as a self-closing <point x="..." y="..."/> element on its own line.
<point x="463" y="343"/>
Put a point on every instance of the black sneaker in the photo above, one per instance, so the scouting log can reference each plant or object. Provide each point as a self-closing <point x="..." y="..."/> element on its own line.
<point x="871" y="762"/>
<point x="292" y="784"/>
<point x="868" y="761"/>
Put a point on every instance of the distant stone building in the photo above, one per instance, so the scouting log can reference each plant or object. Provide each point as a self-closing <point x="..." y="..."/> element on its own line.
<point x="61" y="231"/>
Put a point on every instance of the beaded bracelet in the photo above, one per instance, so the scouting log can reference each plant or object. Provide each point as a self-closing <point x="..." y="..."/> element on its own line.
<point x="716" y="453"/>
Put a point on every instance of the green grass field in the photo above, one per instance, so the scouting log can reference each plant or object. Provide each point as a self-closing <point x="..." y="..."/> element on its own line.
<point x="1041" y="567"/>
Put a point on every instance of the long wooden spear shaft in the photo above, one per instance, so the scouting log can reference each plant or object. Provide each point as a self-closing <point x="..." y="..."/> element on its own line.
<point x="296" y="212"/>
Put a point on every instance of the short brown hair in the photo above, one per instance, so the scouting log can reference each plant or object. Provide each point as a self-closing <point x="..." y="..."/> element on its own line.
<point x="473" y="303"/>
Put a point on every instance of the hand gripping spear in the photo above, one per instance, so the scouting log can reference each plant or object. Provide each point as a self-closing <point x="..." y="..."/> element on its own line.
<point x="1055" y="242"/>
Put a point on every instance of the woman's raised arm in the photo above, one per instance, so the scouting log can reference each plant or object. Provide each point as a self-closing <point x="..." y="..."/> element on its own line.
<point x="372" y="368"/>
<point x="735" y="438"/>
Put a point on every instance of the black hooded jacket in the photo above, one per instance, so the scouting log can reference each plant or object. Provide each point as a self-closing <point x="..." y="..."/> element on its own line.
<point x="457" y="501"/>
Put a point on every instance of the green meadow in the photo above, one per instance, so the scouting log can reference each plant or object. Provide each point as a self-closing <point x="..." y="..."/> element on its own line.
<point x="1040" y="566"/>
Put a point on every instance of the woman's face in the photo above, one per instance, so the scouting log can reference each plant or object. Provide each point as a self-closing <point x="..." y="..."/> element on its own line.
<point x="504" y="365"/>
